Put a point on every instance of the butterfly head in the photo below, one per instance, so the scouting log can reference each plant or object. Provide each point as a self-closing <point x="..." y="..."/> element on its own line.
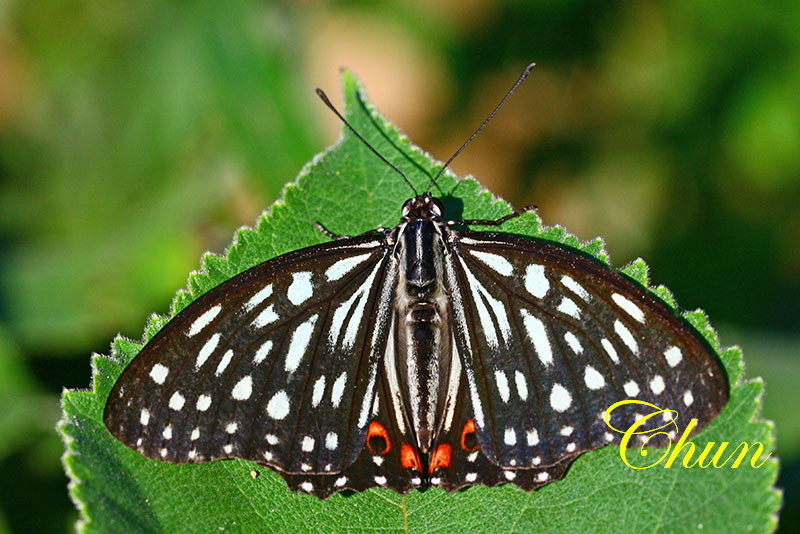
<point x="422" y="207"/>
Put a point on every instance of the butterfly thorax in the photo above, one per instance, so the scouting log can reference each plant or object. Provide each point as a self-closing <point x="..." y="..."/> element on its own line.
<point x="423" y="353"/>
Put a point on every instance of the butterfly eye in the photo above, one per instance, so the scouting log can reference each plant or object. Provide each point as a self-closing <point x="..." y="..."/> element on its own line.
<point x="437" y="208"/>
<point x="407" y="206"/>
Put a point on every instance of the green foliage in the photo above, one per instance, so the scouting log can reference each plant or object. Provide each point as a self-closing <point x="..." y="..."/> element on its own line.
<point x="350" y="191"/>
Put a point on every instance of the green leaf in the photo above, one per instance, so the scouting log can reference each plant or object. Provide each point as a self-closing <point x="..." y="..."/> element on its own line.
<point x="349" y="190"/>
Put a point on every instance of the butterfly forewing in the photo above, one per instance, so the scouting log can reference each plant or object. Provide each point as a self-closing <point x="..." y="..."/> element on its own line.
<point x="268" y="366"/>
<point x="551" y="339"/>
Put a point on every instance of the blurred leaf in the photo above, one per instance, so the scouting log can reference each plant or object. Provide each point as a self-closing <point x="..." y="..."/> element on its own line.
<point x="775" y="358"/>
<point x="351" y="191"/>
<point x="153" y="109"/>
<point x="20" y="402"/>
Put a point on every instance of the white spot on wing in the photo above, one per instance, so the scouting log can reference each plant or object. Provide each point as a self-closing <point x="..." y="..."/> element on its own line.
<point x="258" y="298"/>
<point x="206" y="351"/>
<point x="278" y="406"/>
<point x="510" y="437"/>
<point x="223" y="363"/>
<point x="657" y="385"/>
<point x="159" y="373"/>
<point x="167" y="433"/>
<point x="502" y="385"/>
<point x="357" y="302"/>
<point x="319" y="390"/>
<point x="266" y="317"/>
<point x="299" y="344"/>
<point x="688" y="398"/>
<point x="337" y="391"/>
<point x="673" y="356"/>
<point x="495" y="262"/>
<point x="342" y="267"/>
<point x="538" y="336"/>
<point x="609" y="348"/>
<point x="575" y="287"/>
<point x="560" y="399"/>
<point x="262" y="352"/>
<point x="331" y="441"/>
<point x="195" y="434"/>
<point x="203" y="403"/>
<point x="243" y="389"/>
<point x="144" y="417"/>
<point x="626" y="336"/>
<point x="307" y="486"/>
<point x="204" y="320"/>
<point x="593" y="379"/>
<point x="471" y="477"/>
<point x="522" y="385"/>
<point x="479" y="294"/>
<point x="569" y="307"/>
<point x="573" y="343"/>
<point x="631" y="388"/>
<point x="308" y="444"/>
<point x="300" y="289"/>
<point x="231" y="428"/>
<point x="177" y="401"/>
<point x="341" y="481"/>
<point x="628" y="307"/>
<point x="535" y="281"/>
<point x="532" y="437"/>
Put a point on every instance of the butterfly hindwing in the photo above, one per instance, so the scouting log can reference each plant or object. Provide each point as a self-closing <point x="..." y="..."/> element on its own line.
<point x="459" y="462"/>
<point x="551" y="338"/>
<point x="266" y="366"/>
<point x="389" y="457"/>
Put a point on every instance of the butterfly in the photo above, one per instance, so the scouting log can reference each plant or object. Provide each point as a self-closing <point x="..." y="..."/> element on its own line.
<point x="422" y="355"/>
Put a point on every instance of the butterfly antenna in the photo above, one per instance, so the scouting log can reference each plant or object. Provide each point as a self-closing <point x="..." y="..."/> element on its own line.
<point x="326" y="100"/>
<point x="484" y="123"/>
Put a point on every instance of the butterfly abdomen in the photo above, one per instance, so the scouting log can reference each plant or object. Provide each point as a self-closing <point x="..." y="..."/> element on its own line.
<point x="422" y="311"/>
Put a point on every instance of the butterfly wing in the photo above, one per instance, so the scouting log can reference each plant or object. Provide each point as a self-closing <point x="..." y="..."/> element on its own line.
<point x="389" y="457"/>
<point x="276" y="365"/>
<point x="550" y="338"/>
<point x="463" y="463"/>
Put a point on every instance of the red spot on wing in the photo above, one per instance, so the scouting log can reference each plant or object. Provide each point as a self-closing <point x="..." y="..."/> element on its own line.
<point x="469" y="441"/>
<point x="378" y="441"/>
<point x="441" y="457"/>
<point x="409" y="458"/>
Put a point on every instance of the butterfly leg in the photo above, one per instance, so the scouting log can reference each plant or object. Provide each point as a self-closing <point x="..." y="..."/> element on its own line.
<point x="328" y="233"/>
<point x="495" y="222"/>
<point x="331" y="235"/>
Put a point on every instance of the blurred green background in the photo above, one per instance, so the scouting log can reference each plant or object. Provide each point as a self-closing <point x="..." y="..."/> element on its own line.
<point x="134" y="136"/>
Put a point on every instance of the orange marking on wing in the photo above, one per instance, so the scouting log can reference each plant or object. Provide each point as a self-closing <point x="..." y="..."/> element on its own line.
<point x="377" y="430"/>
<point x="441" y="457"/>
<point x="409" y="458"/>
<point x="469" y="428"/>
